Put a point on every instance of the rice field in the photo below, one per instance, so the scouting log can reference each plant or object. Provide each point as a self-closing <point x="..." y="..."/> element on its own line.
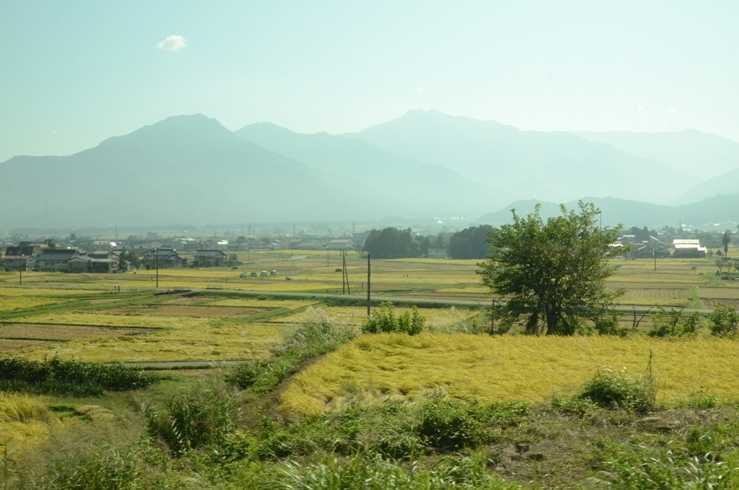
<point x="76" y="315"/>
<point x="535" y="369"/>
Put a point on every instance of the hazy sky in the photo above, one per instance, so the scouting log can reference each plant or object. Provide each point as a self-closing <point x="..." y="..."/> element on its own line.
<point x="73" y="73"/>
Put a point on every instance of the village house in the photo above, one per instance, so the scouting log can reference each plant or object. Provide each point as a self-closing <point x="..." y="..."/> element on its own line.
<point x="164" y="258"/>
<point x="53" y="259"/>
<point x="688" y="248"/>
<point x="209" y="258"/>
<point x="17" y="257"/>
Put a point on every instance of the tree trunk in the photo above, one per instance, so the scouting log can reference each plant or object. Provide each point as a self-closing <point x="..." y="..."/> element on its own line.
<point x="532" y="325"/>
<point x="552" y="321"/>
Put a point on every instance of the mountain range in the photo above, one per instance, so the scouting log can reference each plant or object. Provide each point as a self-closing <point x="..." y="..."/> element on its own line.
<point x="191" y="169"/>
<point x="719" y="211"/>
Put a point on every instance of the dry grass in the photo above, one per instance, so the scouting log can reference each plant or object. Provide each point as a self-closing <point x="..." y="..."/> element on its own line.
<point x="376" y="367"/>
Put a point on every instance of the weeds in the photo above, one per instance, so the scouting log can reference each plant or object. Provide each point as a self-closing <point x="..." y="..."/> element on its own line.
<point x="724" y="321"/>
<point x="311" y="340"/>
<point x="194" y="418"/>
<point x="384" y="320"/>
<point x="609" y="389"/>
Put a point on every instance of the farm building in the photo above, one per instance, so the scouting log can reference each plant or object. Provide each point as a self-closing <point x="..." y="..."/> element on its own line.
<point x="688" y="247"/>
<point x="209" y="258"/>
<point x="13" y="263"/>
<point x="100" y="262"/>
<point x="164" y="258"/>
<point x="339" y="244"/>
<point x="17" y="257"/>
<point x="53" y="259"/>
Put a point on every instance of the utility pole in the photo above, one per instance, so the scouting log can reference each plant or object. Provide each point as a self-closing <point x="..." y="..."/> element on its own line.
<point x="20" y="277"/>
<point x="654" y="256"/>
<point x="492" y="316"/>
<point x="345" y="289"/>
<point x="369" y="285"/>
<point x="156" y="264"/>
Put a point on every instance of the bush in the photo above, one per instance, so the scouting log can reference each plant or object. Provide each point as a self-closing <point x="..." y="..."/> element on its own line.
<point x="607" y="325"/>
<point x="674" y="323"/>
<point x="194" y="418"/>
<point x="613" y="390"/>
<point x="724" y="321"/>
<point x="449" y="424"/>
<point x="384" y="320"/>
<point x="69" y="377"/>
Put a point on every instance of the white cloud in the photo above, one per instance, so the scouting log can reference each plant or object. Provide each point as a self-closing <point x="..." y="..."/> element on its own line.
<point x="173" y="42"/>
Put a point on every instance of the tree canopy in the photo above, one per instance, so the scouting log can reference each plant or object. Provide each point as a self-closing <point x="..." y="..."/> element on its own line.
<point x="551" y="274"/>
<point x="470" y="243"/>
<point x="392" y="243"/>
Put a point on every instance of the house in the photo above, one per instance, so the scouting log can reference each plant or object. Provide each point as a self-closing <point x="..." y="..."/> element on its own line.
<point x="17" y="257"/>
<point x="53" y="259"/>
<point x="339" y="244"/>
<point x="164" y="258"/>
<point x="10" y="263"/>
<point x="688" y="248"/>
<point x="209" y="258"/>
<point x="97" y="262"/>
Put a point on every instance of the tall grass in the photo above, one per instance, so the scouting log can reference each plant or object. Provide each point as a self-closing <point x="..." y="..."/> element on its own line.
<point x="311" y="340"/>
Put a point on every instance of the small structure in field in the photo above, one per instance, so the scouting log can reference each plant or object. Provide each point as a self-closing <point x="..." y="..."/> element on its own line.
<point x="54" y="259"/>
<point x="209" y="258"/>
<point x="164" y="258"/>
<point x="688" y="248"/>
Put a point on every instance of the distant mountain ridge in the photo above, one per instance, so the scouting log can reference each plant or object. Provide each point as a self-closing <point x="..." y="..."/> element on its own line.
<point x="191" y="169"/>
<point x="719" y="209"/>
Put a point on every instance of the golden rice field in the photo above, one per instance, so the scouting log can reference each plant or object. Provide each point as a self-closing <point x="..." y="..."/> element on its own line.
<point x="382" y="366"/>
<point x="431" y="278"/>
<point x="24" y="420"/>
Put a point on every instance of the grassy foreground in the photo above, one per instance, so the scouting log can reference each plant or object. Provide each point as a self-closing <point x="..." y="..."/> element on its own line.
<point x="535" y="369"/>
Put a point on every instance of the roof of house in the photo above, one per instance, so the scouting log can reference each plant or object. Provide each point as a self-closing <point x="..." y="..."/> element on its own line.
<point x="210" y="252"/>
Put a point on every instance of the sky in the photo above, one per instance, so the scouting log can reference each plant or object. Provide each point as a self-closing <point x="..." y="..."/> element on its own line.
<point x="75" y="73"/>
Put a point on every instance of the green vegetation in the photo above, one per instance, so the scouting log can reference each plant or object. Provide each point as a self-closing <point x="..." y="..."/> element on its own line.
<point x="470" y="243"/>
<point x="551" y="273"/>
<point x="68" y="377"/>
<point x="309" y="341"/>
<point x="384" y="320"/>
<point x="392" y="243"/>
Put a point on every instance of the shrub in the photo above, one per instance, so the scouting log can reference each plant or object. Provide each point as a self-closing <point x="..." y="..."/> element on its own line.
<point x="674" y="323"/>
<point x="449" y="424"/>
<point x="608" y="389"/>
<point x="193" y="418"/>
<point x="724" y="321"/>
<point x="69" y="377"/>
<point x="384" y="320"/>
<point x="608" y="325"/>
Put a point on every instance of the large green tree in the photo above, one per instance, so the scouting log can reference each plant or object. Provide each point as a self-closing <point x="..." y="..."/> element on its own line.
<point x="392" y="243"/>
<point x="470" y="243"/>
<point x="551" y="274"/>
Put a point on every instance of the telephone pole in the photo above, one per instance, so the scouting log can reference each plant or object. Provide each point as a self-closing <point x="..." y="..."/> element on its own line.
<point x="156" y="264"/>
<point x="369" y="285"/>
<point x="20" y="277"/>
<point x="492" y="316"/>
